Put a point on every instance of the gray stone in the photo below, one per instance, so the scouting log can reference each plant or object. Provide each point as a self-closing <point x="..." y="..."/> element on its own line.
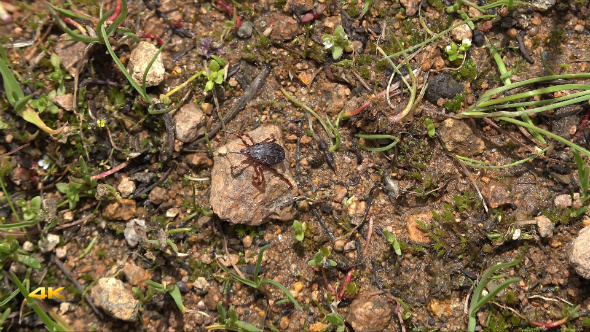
<point x="201" y="286"/>
<point x="245" y="30"/>
<point x="189" y="123"/>
<point x="126" y="187"/>
<point x="563" y="201"/>
<point x="139" y="59"/>
<point x="545" y="226"/>
<point x="115" y="299"/>
<point x="49" y="243"/>
<point x="580" y="254"/>
<point x="542" y="5"/>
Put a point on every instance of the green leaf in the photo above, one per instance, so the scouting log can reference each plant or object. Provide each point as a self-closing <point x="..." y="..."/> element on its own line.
<point x="430" y="127"/>
<point x="62" y="187"/>
<point x="335" y="319"/>
<point x="28" y="261"/>
<point x="214" y="66"/>
<point x="337" y="52"/>
<point x="328" y="41"/>
<point x="219" y="78"/>
<point x="175" y="293"/>
<point x="339" y="32"/>
<point x="233" y="316"/>
<point x="219" y="60"/>
<point x="209" y="86"/>
<point x="221" y="311"/>
<point x="297" y="229"/>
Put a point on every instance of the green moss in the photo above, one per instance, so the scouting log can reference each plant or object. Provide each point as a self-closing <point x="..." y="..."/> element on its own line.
<point x="467" y="72"/>
<point x="455" y="104"/>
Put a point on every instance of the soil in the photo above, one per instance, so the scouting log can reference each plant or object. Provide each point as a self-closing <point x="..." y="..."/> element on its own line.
<point x="406" y="233"/>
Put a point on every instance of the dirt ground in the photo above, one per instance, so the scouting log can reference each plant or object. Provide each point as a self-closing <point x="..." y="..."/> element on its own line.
<point x="152" y="222"/>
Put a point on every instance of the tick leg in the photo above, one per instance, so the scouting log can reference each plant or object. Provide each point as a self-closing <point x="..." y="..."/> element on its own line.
<point x="280" y="175"/>
<point x="241" y="136"/>
<point x="258" y="177"/>
<point x="270" y="139"/>
<point x="234" y="167"/>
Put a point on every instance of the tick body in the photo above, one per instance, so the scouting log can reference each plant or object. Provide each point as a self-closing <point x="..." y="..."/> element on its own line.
<point x="262" y="155"/>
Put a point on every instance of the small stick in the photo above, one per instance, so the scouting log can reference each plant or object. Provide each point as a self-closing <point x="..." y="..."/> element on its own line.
<point x="525" y="53"/>
<point x="74" y="223"/>
<point x="241" y="102"/>
<point x="15" y="150"/>
<point x="363" y="83"/>
<point x="321" y="222"/>
<point x="160" y="180"/>
<point x="168" y="147"/>
<point x="111" y="171"/>
<point x="369" y="234"/>
<point x="73" y="280"/>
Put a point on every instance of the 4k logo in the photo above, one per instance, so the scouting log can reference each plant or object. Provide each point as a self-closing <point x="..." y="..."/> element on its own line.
<point x="40" y="293"/>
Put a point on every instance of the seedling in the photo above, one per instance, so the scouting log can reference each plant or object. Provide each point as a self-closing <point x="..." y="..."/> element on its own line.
<point x="393" y="241"/>
<point x="321" y="259"/>
<point x="229" y="321"/>
<point x="299" y="229"/>
<point x="44" y="103"/>
<point x="337" y="321"/>
<point x="477" y="301"/>
<point x="216" y="74"/>
<point x="458" y="52"/>
<point x="337" y="42"/>
<point x="430" y="127"/>
<point x="59" y="75"/>
<point x="171" y="289"/>
<point x="583" y="173"/>
<point x="257" y="282"/>
<point x="75" y="189"/>
<point x="32" y="210"/>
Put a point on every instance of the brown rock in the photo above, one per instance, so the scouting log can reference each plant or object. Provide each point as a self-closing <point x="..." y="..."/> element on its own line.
<point x="416" y="234"/>
<point x="283" y="27"/>
<point x="71" y="53"/>
<point x="458" y="138"/>
<point x="563" y="201"/>
<point x="461" y="32"/>
<point x="158" y="195"/>
<point x="498" y="194"/>
<point x="65" y="101"/>
<point x="580" y="254"/>
<point x="189" y="123"/>
<point x="369" y="314"/>
<point x="233" y="195"/>
<point x="212" y="297"/>
<point x="199" y="159"/>
<point x="121" y="209"/>
<point x="298" y="6"/>
<point x="411" y="6"/>
<point x="111" y="295"/>
<point x="139" y="59"/>
<point x="136" y="275"/>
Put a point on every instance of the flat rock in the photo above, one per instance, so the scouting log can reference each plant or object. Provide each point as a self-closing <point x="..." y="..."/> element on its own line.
<point x="136" y="275"/>
<point x="233" y="195"/>
<point x="283" y="27"/>
<point x="580" y="254"/>
<point x="189" y="123"/>
<point x="115" y="299"/>
<point x="498" y="194"/>
<point x="139" y="59"/>
<point x="369" y="314"/>
<point x="121" y="209"/>
<point x="459" y="139"/>
<point x="416" y="234"/>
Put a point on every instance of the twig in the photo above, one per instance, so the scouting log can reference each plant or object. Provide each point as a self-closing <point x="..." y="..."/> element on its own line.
<point x="15" y="150"/>
<point x="168" y="147"/>
<point x="363" y="83"/>
<point x="111" y="171"/>
<point x="240" y="103"/>
<point x="160" y="180"/>
<point x="73" y="280"/>
<point x="227" y="252"/>
<point x="525" y="53"/>
<point x="74" y="223"/>
<point x="321" y="222"/>
<point x="368" y="240"/>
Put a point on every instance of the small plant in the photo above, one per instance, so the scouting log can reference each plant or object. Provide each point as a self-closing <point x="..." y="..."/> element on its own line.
<point x="337" y="42"/>
<point x="59" y="75"/>
<point x="171" y="289"/>
<point x="477" y="301"/>
<point x="430" y="127"/>
<point x="583" y="173"/>
<point x="378" y="137"/>
<point x="299" y="229"/>
<point x="10" y="252"/>
<point x="337" y="321"/>
<point x="322" y="259"/>
<point x="458" y="52"/>
<point x="216" y="72"/>
<point x="44" y="103"/>
<point x="32" y="210"/>
<point x="229" y="321"/>
<point x="257" y="282"/>
<point x="74" y="189"/>
<point x="393" y="241"/>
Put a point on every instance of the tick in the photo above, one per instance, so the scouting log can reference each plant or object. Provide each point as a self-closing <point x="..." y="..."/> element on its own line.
<point x="262" y="155"/>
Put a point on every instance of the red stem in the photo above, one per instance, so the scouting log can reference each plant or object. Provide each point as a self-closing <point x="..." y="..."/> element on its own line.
<point x="346" y="282"/>
<point x="110" y="171"/>
<point x="330" y="288"/>
<point x="117" y="11"/>
<point x="152" y="36"/>
<point x="583" y="123"/>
